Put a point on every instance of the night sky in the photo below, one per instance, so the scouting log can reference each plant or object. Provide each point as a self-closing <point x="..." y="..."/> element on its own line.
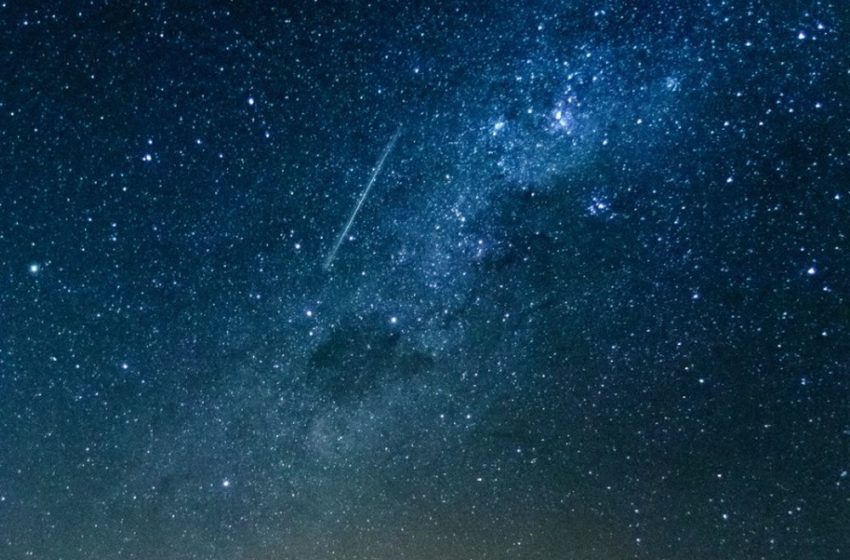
<point x="594" y="306"/>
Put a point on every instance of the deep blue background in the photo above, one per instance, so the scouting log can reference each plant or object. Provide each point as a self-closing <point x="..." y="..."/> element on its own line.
<point x="595" y="305"/>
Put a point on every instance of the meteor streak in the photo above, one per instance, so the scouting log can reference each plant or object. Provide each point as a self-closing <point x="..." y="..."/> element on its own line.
<point x="390" y="145"/>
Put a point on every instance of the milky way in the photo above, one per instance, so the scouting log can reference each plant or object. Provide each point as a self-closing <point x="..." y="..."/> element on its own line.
<point x="598" y="307"/>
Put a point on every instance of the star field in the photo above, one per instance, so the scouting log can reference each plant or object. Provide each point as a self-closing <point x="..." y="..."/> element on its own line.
<point x="594" y="306"/>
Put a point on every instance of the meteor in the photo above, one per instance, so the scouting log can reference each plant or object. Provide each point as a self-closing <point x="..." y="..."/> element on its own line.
<point x="390" y="145"/>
